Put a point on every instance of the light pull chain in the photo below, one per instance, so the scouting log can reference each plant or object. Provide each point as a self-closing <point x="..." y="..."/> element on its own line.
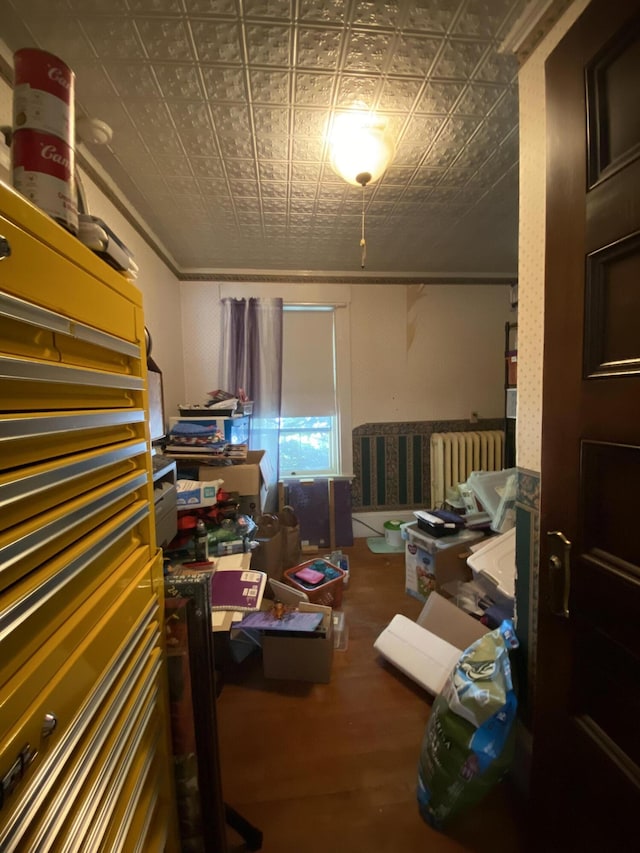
<point x="363" y="242"/>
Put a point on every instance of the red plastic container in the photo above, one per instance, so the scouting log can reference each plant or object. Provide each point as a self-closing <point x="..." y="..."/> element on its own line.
<point x="44" y="172"/>
<point x="329" y="593"/>
<point x="43" y="95"/>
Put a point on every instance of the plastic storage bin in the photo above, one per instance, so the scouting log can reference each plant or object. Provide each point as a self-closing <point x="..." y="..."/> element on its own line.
<point x="235" y="430"/>
<point x="329" y="593"/>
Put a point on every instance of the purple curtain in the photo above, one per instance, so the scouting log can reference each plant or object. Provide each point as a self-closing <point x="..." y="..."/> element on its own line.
<point x="252" y="361"/>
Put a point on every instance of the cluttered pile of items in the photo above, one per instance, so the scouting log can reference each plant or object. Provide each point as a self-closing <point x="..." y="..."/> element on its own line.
<point x="460" y="561"/>
<point x="262" y="596"/>
<point x="466" y="552"/>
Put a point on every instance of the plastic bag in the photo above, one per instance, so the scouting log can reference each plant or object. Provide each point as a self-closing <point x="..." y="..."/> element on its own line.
<point x="291" y="546"/>
<point x="468" y="742"/>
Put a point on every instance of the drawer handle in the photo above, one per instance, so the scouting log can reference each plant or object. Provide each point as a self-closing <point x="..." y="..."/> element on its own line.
<point x="5" y="248"/>
<point x="49" y="724"/>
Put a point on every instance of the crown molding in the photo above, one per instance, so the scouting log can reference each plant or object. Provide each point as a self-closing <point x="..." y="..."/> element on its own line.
<point x="533" y="24"/>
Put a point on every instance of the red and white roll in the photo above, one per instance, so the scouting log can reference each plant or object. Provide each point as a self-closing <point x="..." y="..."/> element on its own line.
<point x="43" y="94"/>
<point x="43" y="171"/>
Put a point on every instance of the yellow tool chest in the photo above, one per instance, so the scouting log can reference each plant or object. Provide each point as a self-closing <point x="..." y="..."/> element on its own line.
<point x="84" y="743"/>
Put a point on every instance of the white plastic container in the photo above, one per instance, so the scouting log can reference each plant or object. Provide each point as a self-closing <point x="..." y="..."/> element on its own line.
<point x="393" y="533"/>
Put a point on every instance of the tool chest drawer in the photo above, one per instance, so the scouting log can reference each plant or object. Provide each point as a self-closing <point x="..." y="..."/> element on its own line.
<point x="100" y="697"/>
<point x="84" y="741"/>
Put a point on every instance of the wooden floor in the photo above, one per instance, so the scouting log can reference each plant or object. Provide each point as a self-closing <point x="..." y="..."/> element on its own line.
<point x="331" y="768"/>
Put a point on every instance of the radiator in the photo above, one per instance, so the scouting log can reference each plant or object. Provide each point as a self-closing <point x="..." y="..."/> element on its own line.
<point x="454" y="455"/>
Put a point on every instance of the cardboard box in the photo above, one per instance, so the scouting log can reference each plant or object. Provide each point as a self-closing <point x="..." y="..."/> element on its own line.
<point x="433" y="561"/>
<point x="192" y="494"/>
<point x="303" y="657"/>
<point x="249" y="480"/>
<point x="427" y="650"/>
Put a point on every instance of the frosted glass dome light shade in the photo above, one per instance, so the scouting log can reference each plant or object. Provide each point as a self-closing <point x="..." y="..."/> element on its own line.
<point x="360" y="147"/>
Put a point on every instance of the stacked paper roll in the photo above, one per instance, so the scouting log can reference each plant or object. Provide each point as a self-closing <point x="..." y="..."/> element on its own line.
<point x="43" y="142"/>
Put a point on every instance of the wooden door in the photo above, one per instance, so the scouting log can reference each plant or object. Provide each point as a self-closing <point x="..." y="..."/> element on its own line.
<point x="586" y="764"/>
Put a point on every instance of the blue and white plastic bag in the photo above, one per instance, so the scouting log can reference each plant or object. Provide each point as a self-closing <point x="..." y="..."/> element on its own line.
<point x="468" y="742"/>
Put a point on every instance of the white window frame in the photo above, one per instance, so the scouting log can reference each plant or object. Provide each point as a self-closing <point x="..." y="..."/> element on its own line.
<point x="343" y="450"/>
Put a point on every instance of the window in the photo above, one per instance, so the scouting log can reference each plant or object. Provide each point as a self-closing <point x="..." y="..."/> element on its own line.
<point x="309" y="424"/>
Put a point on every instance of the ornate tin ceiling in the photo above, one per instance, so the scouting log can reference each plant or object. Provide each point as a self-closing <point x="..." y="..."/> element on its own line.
<point x="218" y="110"/>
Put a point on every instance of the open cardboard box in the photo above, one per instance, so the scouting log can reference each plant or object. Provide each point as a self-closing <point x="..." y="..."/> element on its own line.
<point x="303" y="657"/>
<point x="428" y="649"/>
<point x="250" y="480"/>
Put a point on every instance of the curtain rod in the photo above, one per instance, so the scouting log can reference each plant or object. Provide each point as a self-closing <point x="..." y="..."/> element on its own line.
<point x="318" y="304"/>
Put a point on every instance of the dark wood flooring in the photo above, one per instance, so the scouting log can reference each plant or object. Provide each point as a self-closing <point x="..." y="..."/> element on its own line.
<point x="332" y="767"/>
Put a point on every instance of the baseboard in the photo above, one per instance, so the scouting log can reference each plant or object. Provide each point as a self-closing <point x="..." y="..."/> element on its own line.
<point x="372" y="523"/>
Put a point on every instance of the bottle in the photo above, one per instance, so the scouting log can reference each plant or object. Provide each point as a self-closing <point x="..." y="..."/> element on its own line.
<point x="201" y="542"/>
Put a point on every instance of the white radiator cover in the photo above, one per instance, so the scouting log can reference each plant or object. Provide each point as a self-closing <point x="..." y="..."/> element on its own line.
<point x="454" y="455"/>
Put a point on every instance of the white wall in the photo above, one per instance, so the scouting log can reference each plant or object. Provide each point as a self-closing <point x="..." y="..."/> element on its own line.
<point x="428" y="352"/>
<point x="431" y="352"/>
<point x="531" y="249"/>
<point x="160" y="293"/>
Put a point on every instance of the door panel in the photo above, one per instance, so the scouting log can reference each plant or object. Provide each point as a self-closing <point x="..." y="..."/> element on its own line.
<point x="586" y="764"/>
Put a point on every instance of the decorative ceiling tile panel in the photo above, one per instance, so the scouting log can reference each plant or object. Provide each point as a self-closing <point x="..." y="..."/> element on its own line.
<point x="422" y="130"/>
<point x="224" y="84"/>
<point x="241" y="170"/>
<point x="318" y="48"/>
<point x="440" y="97"/>
<point x="231" y="118"/>
<point x="478" y="99"/>
<point x="376" y="13"/>
<point x="497" y="69"/>
<point x="92" y="76"/>
<point x="357" y="87"/>
<point x="329" y="11"/>
<point x="307" y="172"/>
<point x="210" y="7"/>
<point x="178" y="81"/>
<point x="197" y="142"/>
<point x="270" y="87"/>
<point x="367" y="52"/>
<point x="217" y="41"/>
<point x="165" y="40"/>
<point x="274" y="189"/>
<point x="133" y="80"/>
<point x="433" y="17"/>
<point x="207" y="167"/>
<point x="268" y="9"/>
<point x="150" y="117"/>
<point x="399" y="94"/>
<point x="164" y="141"/>
<point x="161" y="6"/>
<point x="271" y="121"/>
<point x="268" y="44"/>
<point x="414" y="55"/>
<point x="272" y="148"/>
<point x="69" y="42"/>
<point x="459" y="58"/>
<point x="103" y="7"/>
<point x="114" y="38"/>
<point x="193" y="114"/>
<point x="219" y="110"/>
<point x="236" y="147"/>
<point x="313" y="89"/>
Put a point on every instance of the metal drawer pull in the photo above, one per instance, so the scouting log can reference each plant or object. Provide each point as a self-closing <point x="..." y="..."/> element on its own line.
<point x="5" y="248"/>
<point x="49" y="724"/>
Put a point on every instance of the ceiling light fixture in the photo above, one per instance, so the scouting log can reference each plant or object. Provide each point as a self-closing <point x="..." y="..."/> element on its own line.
<point x="360" y="150"/>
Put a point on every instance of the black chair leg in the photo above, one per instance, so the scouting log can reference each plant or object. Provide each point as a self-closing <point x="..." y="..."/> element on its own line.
<point x="251" y="834"/>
